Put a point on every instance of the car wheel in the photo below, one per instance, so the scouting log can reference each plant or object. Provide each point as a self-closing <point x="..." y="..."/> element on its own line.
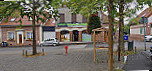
<point x="54" y="44"/>
<point x="150" y="40"/>
<point x="41" y="45"/>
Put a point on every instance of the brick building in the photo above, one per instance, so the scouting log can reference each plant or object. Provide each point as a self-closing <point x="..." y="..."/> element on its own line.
<point x="71" y="27"/>
<point x="17" y="34"/>
<point x="137" y="31"/>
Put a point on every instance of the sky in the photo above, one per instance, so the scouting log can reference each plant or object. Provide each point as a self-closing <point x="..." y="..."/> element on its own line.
<point x="132" y="5"/>
<point x="137" y="13"/>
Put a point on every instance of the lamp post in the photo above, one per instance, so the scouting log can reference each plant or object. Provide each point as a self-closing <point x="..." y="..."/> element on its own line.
<point x="144" y="21"/>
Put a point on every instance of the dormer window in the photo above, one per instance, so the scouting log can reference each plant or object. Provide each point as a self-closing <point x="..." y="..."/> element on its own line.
<point x="30" y="19"/>
<point x="12" y="19"/>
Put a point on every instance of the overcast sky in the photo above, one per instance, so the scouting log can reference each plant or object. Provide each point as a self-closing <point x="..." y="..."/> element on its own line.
<point x="132" y="5"/>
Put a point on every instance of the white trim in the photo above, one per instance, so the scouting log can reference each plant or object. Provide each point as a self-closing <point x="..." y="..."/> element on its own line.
<point x="46" y="21"/>
<point x="18" y="33"/>
<point x="40" y="31"/>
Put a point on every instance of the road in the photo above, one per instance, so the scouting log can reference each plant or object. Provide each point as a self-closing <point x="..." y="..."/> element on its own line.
<point x="79" y="58"/>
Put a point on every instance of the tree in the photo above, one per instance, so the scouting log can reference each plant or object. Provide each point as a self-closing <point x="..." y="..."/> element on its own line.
<point x="94" y="22"/>
<point x="111" y="20"/>
<point x="32" y="9"/>
<point x="88" y="7"/>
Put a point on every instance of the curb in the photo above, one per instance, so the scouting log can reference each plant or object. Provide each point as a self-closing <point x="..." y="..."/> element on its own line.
<point x="147" y="54"/>
<point x="76" y="43"/>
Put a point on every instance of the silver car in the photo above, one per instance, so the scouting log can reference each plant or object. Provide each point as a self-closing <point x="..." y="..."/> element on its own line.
<point x="52" y="41"/>
<point x="148" y="38"/>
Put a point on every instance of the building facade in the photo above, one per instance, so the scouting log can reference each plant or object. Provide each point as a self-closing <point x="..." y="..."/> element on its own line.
<point x="16" y="34"/>
<point x="137" y="31"/>
<point x="71" y="27"/>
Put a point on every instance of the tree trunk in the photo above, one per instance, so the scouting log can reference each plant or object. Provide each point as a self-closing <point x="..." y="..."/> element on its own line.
<point x="121" y="30"/>
<point x="110" y="18"/>
<point x="34" y="37"/>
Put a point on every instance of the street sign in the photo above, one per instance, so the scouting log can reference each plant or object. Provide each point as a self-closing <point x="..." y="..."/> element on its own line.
<point x="126" y="37"/>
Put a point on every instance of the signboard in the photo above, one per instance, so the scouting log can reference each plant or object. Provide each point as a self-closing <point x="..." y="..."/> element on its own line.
<point x="48" y="28"/>
<point x="72" y="24"/>
<point x="125" y="37"/>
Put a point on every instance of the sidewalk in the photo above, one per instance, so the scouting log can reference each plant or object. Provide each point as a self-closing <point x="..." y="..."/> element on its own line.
<point x="138" y="62"/>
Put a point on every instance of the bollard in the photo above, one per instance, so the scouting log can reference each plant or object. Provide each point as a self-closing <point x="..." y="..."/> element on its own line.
<point x="23" y="52"/>
<point x="26" y="52"/>
<point x="151" y="50"/>
<point x="135" y="48"/>
<point x="42" y="51"/>
<point x="66" y="49"/>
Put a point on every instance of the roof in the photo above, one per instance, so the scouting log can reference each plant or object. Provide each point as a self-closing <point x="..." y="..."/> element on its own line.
<point x="26" y="22"/>
<point x="104" y="27"/>
<point x="146" y="13"/>
<point x="100" y="29"/>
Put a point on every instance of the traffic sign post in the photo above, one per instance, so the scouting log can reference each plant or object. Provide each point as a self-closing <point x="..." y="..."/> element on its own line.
<point x="144" y="21"/>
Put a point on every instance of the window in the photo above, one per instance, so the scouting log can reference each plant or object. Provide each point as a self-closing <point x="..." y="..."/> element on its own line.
<point x="74" y="19"/>
<point x="29" y="35"/>
<point x="84" y="19"/>
<point x="12" y="19"/>
<point x="30" y="19"/>
<point x="62" y="18"/>
<point x="11" y="36"/>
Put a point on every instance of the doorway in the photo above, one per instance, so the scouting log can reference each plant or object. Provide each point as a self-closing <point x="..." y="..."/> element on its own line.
<point x="75" y="35"/>
<point x="20" y="38"/>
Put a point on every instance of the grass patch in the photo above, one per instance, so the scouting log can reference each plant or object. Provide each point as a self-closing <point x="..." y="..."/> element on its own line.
<point x="125" y="53"/>
<point x="129" y="53"/>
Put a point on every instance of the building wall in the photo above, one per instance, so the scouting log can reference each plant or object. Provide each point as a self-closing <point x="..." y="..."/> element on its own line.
<point x="137" y="29"/>
<point x="0" y="35"/>
<point x="14" y="29"/>
<point x="68" y="15"/>
<point x="137" y="32"/>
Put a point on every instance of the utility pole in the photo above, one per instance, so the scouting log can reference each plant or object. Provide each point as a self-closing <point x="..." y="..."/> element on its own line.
<point x="144" y="19"/>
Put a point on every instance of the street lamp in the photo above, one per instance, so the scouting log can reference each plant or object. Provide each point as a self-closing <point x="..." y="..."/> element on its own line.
<point x="144" y="21"/>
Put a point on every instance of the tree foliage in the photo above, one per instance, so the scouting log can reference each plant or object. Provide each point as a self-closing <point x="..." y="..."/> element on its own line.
<point x="94" y="22"/>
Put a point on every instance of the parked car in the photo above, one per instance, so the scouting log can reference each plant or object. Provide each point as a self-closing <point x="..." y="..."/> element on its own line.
<point x="52" y="41"/>
<point x="148" y="38"/>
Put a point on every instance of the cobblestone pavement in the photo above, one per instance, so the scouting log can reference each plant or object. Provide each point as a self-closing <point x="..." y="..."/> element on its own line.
<point x="138" y="62"/>
<point x="80" y="58"/>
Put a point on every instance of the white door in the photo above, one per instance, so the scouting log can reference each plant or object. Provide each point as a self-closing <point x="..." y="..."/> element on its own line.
<point x="20" y="37"/>
<point x="49" y="35"/>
